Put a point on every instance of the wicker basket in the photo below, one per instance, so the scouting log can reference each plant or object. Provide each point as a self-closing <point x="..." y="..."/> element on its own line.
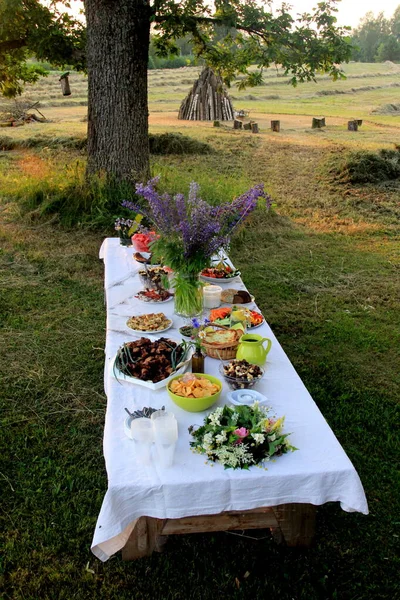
<point x="220" y="350"/>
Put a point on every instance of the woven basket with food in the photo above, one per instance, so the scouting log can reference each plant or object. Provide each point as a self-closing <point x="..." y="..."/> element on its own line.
<point x="220" y="341"/>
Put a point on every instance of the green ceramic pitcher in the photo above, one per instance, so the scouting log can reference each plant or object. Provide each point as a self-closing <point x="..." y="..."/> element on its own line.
<point x="251" y="349"/>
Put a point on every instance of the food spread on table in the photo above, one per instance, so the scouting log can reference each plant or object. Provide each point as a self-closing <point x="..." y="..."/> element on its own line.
<point x="228" y="315"/>
<point x="220" y="336"/>
<point x="142" y="241"/>
<point x="154" y="278"/>
<point x="149" y="322"/>
<point x="193" y="386"/>
<point x="220" y="272"/>
<point x="150" y="360"/>
<point x="154" y="295"/>
<point x="140" y="258"/>
<point x="186" y="330"/>
<point x="241" y="374"/>
<point x="233" y="296"/>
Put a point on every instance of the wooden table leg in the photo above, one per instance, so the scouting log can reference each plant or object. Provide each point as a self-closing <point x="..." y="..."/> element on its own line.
<point x="144" y="539"/>
<point x="297" y="523"/>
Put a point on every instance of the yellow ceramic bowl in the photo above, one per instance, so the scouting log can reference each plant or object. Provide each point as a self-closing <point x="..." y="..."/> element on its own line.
<point x="195" y="404"/>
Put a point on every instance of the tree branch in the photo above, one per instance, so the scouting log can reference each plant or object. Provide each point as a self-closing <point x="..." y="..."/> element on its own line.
<point x="159" y="19"/>
<point x="8" y="45"/>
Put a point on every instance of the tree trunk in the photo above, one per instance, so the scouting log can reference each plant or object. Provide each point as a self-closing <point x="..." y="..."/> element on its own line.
<point x="117" y="53"/>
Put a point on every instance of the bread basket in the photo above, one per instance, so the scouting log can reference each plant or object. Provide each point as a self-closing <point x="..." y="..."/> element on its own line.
<point x="222" y="350"/>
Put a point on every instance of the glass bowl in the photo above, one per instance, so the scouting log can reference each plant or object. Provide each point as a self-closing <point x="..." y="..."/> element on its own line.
<point x="241" y="383"/>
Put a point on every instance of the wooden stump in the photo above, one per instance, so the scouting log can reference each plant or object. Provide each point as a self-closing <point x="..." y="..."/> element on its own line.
<point x="352" y="125"/>
<point x="254" y="128"/>
<point x="276" y="126"/>
<point x="247" y="126"/>
<point x="318" y="122"/>
<point x="237" y="124"/>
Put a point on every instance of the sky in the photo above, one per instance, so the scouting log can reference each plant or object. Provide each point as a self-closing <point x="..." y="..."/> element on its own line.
<point x="349" y="11"/>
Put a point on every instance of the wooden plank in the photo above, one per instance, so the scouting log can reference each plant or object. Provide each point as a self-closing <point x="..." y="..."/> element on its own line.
<point x="292" y="524"/>
<point x="259" y="518"/>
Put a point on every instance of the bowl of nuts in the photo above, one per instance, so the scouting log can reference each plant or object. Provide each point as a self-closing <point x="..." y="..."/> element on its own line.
<point x="240" y="374"/>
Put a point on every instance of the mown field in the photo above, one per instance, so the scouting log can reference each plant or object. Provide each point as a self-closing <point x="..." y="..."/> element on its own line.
<point x="324" y="267"/>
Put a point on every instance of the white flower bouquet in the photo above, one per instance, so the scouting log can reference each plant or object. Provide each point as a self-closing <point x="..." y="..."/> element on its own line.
<point x="240" y="436"/>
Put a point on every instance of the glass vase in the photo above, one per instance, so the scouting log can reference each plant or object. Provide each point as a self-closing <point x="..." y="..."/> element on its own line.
<point x="188" y="295"/>
<point x="125" y="242"/>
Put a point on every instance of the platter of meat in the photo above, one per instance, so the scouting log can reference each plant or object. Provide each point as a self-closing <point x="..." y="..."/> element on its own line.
<point x="151" y="363"/>
<point x="154" y="296"/>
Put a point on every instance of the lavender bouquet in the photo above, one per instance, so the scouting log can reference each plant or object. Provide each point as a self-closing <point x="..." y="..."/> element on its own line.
<point x="191" y="232"/>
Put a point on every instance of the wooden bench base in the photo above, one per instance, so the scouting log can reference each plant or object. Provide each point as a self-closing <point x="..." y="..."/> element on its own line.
<point x="293" y="524"/>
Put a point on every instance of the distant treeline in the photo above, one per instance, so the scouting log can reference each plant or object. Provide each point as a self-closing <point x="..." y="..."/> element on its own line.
<point x="185" y="57"/>
<point x="377" y="39"/>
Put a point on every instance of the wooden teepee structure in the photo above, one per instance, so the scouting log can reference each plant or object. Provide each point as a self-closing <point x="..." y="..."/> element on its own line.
<point x="207" y="101"/>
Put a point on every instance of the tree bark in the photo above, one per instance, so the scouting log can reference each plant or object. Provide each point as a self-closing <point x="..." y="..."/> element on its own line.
<point x="118" y="33"/>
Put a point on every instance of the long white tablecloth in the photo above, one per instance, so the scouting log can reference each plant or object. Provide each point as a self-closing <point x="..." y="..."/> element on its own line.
<point x="318" y="472"/>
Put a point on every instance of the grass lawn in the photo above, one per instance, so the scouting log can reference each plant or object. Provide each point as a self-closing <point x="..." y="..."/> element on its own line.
<point x="324" y="267"/>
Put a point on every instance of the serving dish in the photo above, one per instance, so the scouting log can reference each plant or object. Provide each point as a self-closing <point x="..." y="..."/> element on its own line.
<point x="246" y="397"/>
<point x="240" y="375"/>
<point x="147" y="318"/>
<point x="143" y="258"/>
<point x="149" y="295"/>
<point x="154" y="278"/>
<point x="195" y="404"/>
<point x="235" y="296"/>
<point x="145" y="361"/>
<point x="251" y="318"/>
<point x="220" y="279"/>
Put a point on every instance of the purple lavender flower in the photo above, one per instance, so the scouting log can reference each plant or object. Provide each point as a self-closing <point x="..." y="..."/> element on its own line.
<point x="196" y="323"/>
<point x="200" y="230"/>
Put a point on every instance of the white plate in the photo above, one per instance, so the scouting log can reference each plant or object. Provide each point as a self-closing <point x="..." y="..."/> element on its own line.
<point x="217" y="280"/>
<point x="153" y="301"/>
<point x="255" y="326"/>
<point x="246" y="397"/>
<point x="149" y="332"/>
<point x="119" y="376"/>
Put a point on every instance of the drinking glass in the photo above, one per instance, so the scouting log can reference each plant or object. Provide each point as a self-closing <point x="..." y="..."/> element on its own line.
<point x="143" y="434"/>
<point x="165" y="428"/>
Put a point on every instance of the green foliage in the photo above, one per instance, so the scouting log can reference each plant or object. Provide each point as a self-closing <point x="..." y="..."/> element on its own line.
<point x="94" y="203"/>
<point x="161" y="144"/>
<point x="377" y="38"/>
<point x="174" y="62"/>
<point x="368" y="167"/>
<point x="176" y="143"/>
<point x="253" y="35"/>
<point x="230" y="38"/>
<point x="26" y="27"/>
<point x="15" y="72"/>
